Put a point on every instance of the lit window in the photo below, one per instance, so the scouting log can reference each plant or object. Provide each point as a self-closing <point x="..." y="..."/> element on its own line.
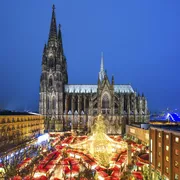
<point x="176" y="163"/>
<point x="167" y="148"/>
<point x="176" y="177"/>
<point x="167" y="136"/>
<point x="159" y="134"/>
<point x="159" y="153"/>
<point x="176" y="152"/>
<point x="151" y="157"/>
<point x="177" y="139"/>
<point x="167" y="158"/>
<point x="159" y="144"/>
<point x="151" y="144"/>
<point x="159" y="165"/>
<point x="167" y="170"/>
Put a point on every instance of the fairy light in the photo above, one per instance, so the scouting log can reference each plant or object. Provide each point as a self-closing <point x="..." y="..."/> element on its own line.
<point x="99" y="144"/>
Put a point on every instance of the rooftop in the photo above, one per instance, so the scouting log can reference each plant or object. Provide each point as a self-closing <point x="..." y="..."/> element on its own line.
<point x="78" y="88"/>
<point x="168" y="127"/>
<point x="9" y="113"/>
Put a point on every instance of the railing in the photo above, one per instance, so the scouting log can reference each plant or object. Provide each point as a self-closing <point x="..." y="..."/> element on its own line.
<point x="105" y="110"/>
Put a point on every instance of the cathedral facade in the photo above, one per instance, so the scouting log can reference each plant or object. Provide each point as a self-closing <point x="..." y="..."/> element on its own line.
<point x="73" y="107"/>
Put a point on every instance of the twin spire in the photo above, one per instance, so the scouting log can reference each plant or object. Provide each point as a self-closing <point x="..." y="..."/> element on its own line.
<point x="53" y="27"/>
<point x="53" y="33"/>
<point x="53" y="36"/>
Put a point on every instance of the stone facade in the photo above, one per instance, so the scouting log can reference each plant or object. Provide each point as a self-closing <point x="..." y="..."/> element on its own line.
<point x="73" y="107"/>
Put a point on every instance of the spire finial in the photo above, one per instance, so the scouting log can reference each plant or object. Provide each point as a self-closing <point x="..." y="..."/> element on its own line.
<point x="102" y="61"/>
<point x="101" y="54"/>
<point x="53" y="7"/>
<point x="53" y="28"/>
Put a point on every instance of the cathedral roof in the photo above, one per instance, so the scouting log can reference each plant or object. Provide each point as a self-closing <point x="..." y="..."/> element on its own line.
<point x="123" y="88"/>
<point x="93" y="88"/>
<point x="81" y="88"/>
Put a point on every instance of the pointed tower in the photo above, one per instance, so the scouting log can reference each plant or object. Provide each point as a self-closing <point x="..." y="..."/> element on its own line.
<point x="59" y="37"/>
<point x="53" y="27"/>
<point x="61" y="53"/>
<point x="102" y="72"/>
<point x="53" y="78"/>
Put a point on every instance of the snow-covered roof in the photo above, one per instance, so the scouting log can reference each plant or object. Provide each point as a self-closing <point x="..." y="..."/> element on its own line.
<point x="81" y="88"/>
<point x="93" y="88"/>
<point x="123" y="88"/>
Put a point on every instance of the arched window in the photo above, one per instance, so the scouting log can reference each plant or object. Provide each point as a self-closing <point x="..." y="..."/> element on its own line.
<point x="50" y="82"/>
<point x="54" y="103"/>
<point x="105" y="102"/>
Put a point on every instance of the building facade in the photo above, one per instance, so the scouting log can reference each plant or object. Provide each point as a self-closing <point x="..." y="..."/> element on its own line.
<point x="72" y="107"/>
<point x="165" y="152"/>
<point x="15" y="129"/>
<point x="138" y="134"/>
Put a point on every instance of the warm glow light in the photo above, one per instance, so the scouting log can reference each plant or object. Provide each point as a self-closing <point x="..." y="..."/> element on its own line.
<point x="100" y="145"/>
<point x="38" y="174"/>
<point x="94" y="166"/>
<point x="100" y="178"/>
<point x="2" y="170"/>
<point x="78" y="157"/>
<point x="71" y="155"/>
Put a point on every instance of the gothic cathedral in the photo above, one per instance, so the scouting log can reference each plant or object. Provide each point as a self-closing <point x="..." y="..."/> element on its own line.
<point x="73" y="107"/>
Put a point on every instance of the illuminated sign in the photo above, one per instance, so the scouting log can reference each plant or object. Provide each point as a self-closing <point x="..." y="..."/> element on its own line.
<point x="147" y="136"/>
<point x="132" y="130"/>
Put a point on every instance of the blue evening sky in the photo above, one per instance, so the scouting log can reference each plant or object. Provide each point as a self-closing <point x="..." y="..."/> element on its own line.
<point x="140" y="40"/>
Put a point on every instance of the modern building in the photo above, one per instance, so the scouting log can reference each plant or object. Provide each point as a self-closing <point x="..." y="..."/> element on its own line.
<point x="138" y="133"/>
<point x="19" y="127"/>
<point x="165" y="151"/>
<point x="72" y="107"/>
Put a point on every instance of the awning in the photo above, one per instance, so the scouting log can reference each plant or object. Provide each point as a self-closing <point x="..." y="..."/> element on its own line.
<point x="17" y="178"/>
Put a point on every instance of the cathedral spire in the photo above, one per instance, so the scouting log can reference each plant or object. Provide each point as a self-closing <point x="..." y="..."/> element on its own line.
<point x="102" y="62"/>
<point x="102" y="72"/>
<point x="53" y="27"/>
<point x="59" y="35"/>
